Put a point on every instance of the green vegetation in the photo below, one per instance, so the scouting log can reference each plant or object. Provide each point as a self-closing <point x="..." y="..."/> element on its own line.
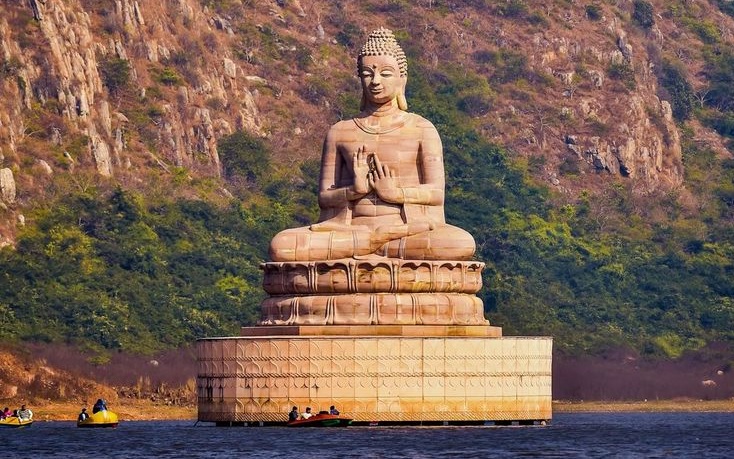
<point x="726" y="6"/>
<point x="593" y="278"/>
<point x="115" y="73"/>
<point x="168" y="76"/>
<point x="9" y="67"/>
<point x="143" y="270"/>
<point x="624" y="73"/>
<point x="123" y="271"/>
<point x="679" y="90"/>
<point x="594" y="12"/>
<point x="513" y="8"/>
<point x="245" y="156"/>
<point x="643" y="14"/>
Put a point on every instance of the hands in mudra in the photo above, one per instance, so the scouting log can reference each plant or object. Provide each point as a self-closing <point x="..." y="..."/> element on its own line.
<point x="370" y="174"/>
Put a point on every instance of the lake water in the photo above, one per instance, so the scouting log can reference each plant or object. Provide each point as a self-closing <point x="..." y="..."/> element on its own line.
<point x="616" y="435"/>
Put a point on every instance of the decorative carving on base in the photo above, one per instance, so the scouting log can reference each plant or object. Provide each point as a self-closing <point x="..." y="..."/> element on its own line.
<point x="374" y="309"/>
<point x="373" y="291"/>
<point x="383" y="379"/>
<point x="380" y="275"/>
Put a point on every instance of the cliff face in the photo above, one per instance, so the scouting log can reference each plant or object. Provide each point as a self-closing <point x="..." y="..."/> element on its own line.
<point x="120" y="89"/>
<point x="57" y="49"/>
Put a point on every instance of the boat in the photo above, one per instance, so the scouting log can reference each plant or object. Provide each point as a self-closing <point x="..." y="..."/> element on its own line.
<point x="322" y="419"/>
<point x="104" y="418"/>
<point x="16" y="422"/>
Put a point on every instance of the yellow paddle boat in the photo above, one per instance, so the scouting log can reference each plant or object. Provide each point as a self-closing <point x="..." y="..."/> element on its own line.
<point x="13" y="421"/>
<point x="104" y="418"/>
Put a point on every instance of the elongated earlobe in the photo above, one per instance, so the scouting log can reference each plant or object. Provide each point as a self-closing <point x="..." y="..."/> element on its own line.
<point x="363" y="102"/>
<point x="402" y="102"/>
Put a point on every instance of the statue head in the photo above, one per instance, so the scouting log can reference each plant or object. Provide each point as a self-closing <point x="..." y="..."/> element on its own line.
<point x="382" y="42"/>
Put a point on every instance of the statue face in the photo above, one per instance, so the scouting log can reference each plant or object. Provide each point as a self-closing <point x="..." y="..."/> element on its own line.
<point x="381" y="80"/>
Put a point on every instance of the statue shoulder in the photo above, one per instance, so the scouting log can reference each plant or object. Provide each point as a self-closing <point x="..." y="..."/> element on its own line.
<point x="342" y="125"/>
<point x="338" y="130"/>
<point x="427" y="129"/>
<point x="419" y="121"/>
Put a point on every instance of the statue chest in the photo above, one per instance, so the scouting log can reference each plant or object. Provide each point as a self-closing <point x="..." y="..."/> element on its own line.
<point x="398" y="153"/>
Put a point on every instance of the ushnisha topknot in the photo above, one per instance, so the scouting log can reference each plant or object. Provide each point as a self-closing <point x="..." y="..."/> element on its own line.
<point x="382" y="42"/>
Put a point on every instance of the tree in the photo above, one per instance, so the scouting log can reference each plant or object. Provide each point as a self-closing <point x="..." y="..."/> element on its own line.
<point x="680" y="91"/>
<point x="245" y="156"/>
<point x="115" y="74"/>
<point x="643" y="14"/>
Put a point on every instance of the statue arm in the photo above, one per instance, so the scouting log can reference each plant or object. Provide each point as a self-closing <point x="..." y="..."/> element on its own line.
<point x="430" y="162"/>
<point x="331" y="192"/>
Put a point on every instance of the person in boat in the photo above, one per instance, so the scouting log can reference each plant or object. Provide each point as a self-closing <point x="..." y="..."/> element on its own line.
<point x="6" y="413"/>
<point x="333" y="410"/>
<point x="99" y="405"/>
<point x="307" y="414"/>
<point x="25" y="414"/>
<point x="293" y="415"/>
<point x="83" y="416"/>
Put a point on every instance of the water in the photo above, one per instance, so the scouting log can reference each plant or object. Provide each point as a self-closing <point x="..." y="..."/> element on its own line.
<point x="608" y="435"/>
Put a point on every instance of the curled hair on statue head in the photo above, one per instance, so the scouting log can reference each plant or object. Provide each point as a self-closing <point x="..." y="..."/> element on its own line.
<point x="382" y="42"/>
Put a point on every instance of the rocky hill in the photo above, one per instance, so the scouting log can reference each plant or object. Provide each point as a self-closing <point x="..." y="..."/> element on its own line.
<point x="140" y="90"/>
<point x="608" y="220"/>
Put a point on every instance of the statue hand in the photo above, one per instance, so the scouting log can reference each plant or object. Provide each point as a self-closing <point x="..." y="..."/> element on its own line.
<point x="361" y="170"/>
<point x="381" y="179"/>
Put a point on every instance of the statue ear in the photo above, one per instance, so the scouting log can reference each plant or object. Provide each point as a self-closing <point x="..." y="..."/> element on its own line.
<point x="363" y="102"/>
<point x="402" y="101"/>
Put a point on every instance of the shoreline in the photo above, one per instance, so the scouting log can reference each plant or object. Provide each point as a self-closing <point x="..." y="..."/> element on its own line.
<point x="145" y="410"/>
<point x="126" y="410"/>
<point x="644" y="406"/>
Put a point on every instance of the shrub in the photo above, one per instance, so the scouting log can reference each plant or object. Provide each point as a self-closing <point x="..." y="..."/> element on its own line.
<point x="571" y="166"/>
<point x="244" y="155"/>
<point x="349" y="36"/>
<point x="680" y="92"/>
<point x="643" y="14"/>
<point x="510" y="66"/>
<point x="723" y="123"/>
<point x="475" y="104"/>
<point x="168" y="77"/>
<point x="9" y="67"/>
<point x="726" y="6"/>
<point x="706" y="31"/>
<point x="513" y="9"/>
<point x="593" y="12"/>
<point x="115" y="74"/>
<point x="315" y="90"/>
<point x="623" y="72"/>
<point x="538" y="19"/>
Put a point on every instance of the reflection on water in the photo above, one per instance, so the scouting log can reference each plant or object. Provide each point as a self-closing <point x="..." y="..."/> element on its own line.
<point x="675" y="435"/>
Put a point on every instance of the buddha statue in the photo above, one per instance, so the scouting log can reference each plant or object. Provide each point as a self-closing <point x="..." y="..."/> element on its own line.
<point x="381" y="189"/>
<point x="381" y="252"/>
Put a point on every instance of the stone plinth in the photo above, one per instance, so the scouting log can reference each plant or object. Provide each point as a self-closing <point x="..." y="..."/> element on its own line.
<point x="372" y="378"/>
<point x="373" y="291"/>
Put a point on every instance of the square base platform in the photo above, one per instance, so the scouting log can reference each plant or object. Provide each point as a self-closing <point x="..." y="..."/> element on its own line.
<point x="374" y="376"/>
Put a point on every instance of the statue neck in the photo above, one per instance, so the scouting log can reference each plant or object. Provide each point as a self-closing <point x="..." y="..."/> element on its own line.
<point x="380" y="110"/>
<point x="381" y="119"/>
